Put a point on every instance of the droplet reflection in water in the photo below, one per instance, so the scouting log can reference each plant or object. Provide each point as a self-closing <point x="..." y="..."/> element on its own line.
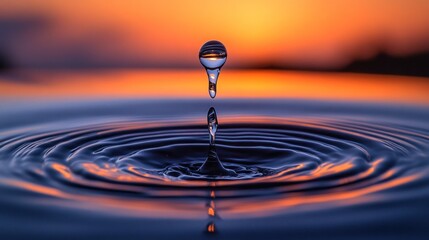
<point x="213" y="56"/>
<point x="211" y="211"/>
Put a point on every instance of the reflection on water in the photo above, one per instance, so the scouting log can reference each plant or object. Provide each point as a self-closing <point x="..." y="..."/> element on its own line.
<point x="211" y="211"/>
<point x="295" y="168"/>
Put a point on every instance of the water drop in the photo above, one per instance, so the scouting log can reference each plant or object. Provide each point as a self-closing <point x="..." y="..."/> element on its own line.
<point x="212" y="124"/>
<point x="213" y="56"/>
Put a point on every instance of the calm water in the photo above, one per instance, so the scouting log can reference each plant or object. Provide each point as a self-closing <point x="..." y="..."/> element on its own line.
<point x="126" y="169"/>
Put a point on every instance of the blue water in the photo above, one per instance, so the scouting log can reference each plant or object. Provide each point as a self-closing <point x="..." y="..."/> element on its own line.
<point x="128" y="169"/>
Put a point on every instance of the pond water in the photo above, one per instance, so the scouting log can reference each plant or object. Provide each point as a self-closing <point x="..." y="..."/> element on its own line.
<point x="129" y="168"/>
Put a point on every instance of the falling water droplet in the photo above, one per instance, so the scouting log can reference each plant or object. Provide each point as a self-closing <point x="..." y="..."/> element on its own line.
<point x="212" y="124"/>
<point x="213" y="56"/>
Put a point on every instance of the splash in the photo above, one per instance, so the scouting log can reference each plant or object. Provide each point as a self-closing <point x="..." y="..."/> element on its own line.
<point x="213" y="166"/>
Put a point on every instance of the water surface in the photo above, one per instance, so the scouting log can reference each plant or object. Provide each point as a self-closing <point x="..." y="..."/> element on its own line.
<point x="126" y="169"/>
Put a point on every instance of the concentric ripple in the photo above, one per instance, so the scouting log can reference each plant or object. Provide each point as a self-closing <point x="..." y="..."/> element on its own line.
<point x="152" y="166"/>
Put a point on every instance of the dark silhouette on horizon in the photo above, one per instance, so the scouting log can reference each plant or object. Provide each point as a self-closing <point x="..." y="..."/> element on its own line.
<point x="5" y="63"/>
<point x="413" y="65"/>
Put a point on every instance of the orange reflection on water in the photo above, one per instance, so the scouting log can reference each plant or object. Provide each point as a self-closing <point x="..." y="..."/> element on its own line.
<point x="237" y="208"/>
<point x="229" y="208"/>
<point x="255" y="208"/>
<point x="116" y="205"/>
<point x="63" y="170"/>
<point x="211" y="228"/>
<point x="232" y="84"/>
<point x="211" y="211"/>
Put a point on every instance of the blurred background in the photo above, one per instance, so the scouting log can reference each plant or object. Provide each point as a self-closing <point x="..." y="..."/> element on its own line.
<point x="311" y="35"/>
<point x="366" y="36"/>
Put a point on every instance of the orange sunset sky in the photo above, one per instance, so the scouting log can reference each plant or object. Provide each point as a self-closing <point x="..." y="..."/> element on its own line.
<point x="131" y="33"/>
